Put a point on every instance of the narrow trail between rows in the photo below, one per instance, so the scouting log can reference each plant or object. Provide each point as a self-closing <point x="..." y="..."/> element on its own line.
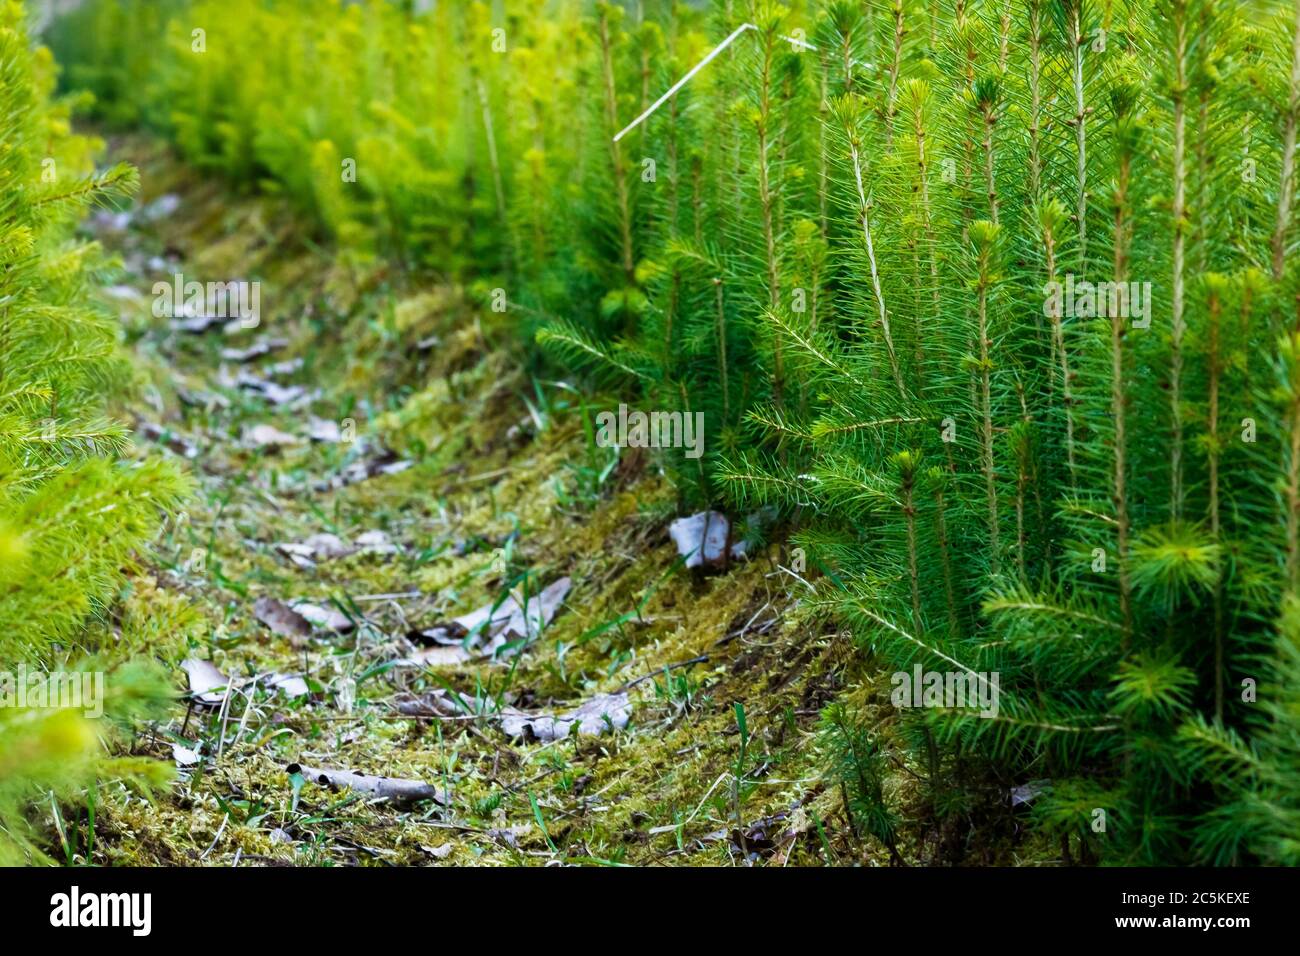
<point x="404" y="576"/>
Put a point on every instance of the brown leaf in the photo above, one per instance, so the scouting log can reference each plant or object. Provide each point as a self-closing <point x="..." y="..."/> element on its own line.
<point x="280" y="618"/>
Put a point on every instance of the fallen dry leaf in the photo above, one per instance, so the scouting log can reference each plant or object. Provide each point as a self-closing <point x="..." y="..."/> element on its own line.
<point x="1027" y="793"/>
<point x="268" y="436"/>
<point x="318" y="547"/>
<point x="255" y="351"/>
<point x="207" y="683"/>
<point x="376" y="542"/>
<point x="510" y="621"/>
<point x="168" y="439"/>
<point x="273" y="392"/>
<point x="287" y="367"/>
<point x="197" y="324"/>
<point x="391" y="788"/>
<point x="324" y="430"/>
<point x="385" y="463"/>
<point x="593" y="717"/>
<point x="280" y="618"/>
<point x="184" y="756"/>
<point x="327" y="618"/>
<point x="494" y="624"/>
<point x="702" y="539"/>
<point x="437" y="656"/>
<point x="162" y="207"/>
<point x="507" y="836"/>
<point x="291" y="685"/>
<point x="434" y="703"/>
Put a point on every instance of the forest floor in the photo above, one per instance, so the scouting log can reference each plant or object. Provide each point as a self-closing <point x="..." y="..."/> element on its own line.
<point x="375" y="447"/>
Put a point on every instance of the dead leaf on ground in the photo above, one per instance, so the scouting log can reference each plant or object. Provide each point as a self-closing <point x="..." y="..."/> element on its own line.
<point x="386" y="463"/>
<point x="492" y="625"/>
<point x="273" y="392"/>
<point x="439" y="656"/>
<point x="507" y="836"/>
<point x="327" y="618"/>
<point x="593" y="717"/>
<point x="450" y="633"/>
<point x="291" y="685"/>
<point x="1027" y="793"/>
<point x="287" y="367"/>
<point x="184" y="756"/>
<point x="324" y="430"/>
<point x="197" y="398"/>
<point x="434" y="703"/>
<point x="169" y="439"/>
<point x="207" y="683"/>
<point x="280" y="618"/>
<point x="319" y="547"/>
<point x="255" y="351"/>
<point x="162" y="207"/>
<point x="391" y="788"/>
<point x="760" y="838"/>
<point x="123" y="293"/>
<point x="702" y="540"/>
<point x="376" y="542"/>
<point x="268" y="437"/>
<point x="197" y="324"/>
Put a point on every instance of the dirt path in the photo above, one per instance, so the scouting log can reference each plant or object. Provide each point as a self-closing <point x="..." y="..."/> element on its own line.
<point x="376" y="451"/>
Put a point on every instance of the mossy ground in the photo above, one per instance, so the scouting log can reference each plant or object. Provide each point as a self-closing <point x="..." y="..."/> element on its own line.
<point x="502" y="472"/>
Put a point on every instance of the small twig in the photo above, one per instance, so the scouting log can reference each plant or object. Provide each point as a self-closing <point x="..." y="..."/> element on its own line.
<point x="220" y="830"/>
<point x="388" y="597"/>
